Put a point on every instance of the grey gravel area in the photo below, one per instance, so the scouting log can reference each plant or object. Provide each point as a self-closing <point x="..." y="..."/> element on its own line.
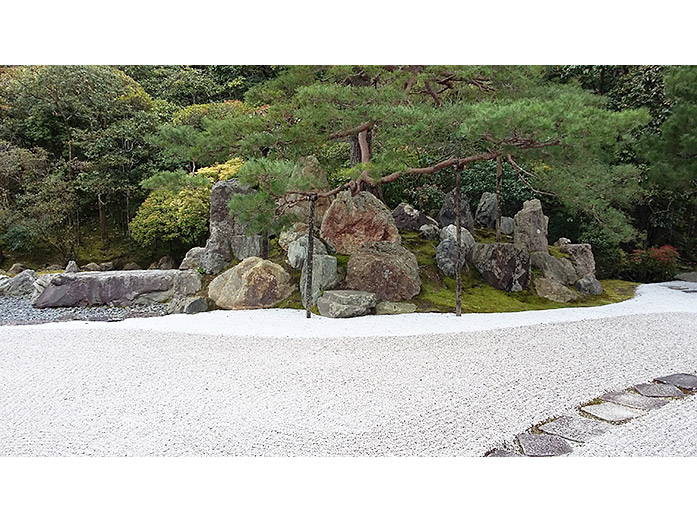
<point x="96" y="391"/>
<point x="668" y="431"/>
<point x="18" y="311"/>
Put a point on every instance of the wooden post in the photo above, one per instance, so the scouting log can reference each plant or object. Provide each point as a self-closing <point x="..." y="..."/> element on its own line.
<point x="458" y="242"/>
<point x="308" y="257"/>
<point x="499" y="188"/>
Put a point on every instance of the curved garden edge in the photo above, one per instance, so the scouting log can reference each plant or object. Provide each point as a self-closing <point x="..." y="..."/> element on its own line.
<point x="654" y="298"/>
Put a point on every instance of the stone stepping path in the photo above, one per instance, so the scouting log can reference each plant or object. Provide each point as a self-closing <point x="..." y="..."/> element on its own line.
<point x="555" y="437"/>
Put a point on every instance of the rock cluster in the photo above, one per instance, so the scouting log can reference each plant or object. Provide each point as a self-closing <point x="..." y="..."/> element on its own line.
<point x="227" y="239"/>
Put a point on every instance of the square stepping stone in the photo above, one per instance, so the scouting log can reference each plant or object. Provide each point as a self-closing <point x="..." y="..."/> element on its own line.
<point x="575" y="429"/>
<point x="684" y="381"/>
<point x="543" y="445"/>
<point x="658" y="390"/>
<point x="629" y="399"/>
<point x="611" y="412"/>
<point x="500" y="453"/>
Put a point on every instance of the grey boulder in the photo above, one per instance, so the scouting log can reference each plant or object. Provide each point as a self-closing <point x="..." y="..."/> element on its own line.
<point x="72" y="267"/>
<point x="502" y="265"/>
<point x="506" y="225"/>
<point x="554" y="291"/>
<point x="324" y="276"/>
<point x="297" y="251"/>
<point x="429" y="232"/>
<point x="557" y="269"/>
<point x="346" y="304"/>
<point x="20" y="285"/>
<point x="530" y="227"/>
<point x="447" y="215"/>
<point x="485" y="216"/>
<point x="407" y="218"/>
<point x="120" y="288"/>
<point x="187" y="305"/>
<point x="589" y="286"/>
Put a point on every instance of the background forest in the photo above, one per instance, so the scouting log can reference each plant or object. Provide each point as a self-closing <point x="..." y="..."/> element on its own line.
<point x="115" y="163"/>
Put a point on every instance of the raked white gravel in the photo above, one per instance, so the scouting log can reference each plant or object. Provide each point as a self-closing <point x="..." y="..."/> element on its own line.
<point x="273" y="383"/>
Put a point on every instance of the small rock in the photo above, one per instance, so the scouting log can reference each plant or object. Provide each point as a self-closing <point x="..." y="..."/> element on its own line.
<point x="448" y="216"/>
<point x="589" y="285"/>
<point x="659" y="390"/>
<point x="132" y="267"/>
<point x="543" y="445"/>
<point x="91" y="267"/>
<point x="389" y="307"/>
<point x="406" y="218"/>
<point x="15" y="269"/>
<point x="54" y="268"/>
<point x="72" y="267"/>
<point x="106" y="266"/>
<point x="166" y="263"/>
<point x="291" y="234"/>
<point x="429" y="232"/>
<point x="684" y="381"/>
<point x="562" y="241"/>
<point x="187" y="305"/>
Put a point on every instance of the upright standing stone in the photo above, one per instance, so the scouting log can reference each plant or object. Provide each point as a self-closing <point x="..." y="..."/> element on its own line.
<point x="486" y="211"/>
<point x="530" y="227"/>
<point x="447" y="215"/>
<point x="324" y="276"/>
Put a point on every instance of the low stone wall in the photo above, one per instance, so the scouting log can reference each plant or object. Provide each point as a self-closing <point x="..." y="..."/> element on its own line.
<point x="121" y="288"/>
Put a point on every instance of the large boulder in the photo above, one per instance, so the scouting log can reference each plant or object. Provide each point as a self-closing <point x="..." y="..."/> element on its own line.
<point x="530" y="227"/>
<point x="297" y="251"/>
<point x="554" y="291"/>
<point x="486" y="211"/>
<point x="253" y="283"/>
<point x="502" y="265"/>
<point x="589" y="285"/>
<point x="557" y="269"/>
<point x="310" y="177"/>
<point x="581" y="257"/>
<point x="346" y="304"/>
<point x="447" y="215"/>
<point x="406" y="218"/>
<point x="20" y="285"/>
<point x="324" y="276"/>
<point x="119" y="288"/>
<point x="353" y="220"/>
<point x="384" y="268"/>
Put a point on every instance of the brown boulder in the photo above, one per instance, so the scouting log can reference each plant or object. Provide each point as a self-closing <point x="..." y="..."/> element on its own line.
<point x="251" y="284"/>
<point x="386" y="269"/>
<point x="353" y="220"/>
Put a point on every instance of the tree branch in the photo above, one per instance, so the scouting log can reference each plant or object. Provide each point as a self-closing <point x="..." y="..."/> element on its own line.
<point x="352" y="132"/>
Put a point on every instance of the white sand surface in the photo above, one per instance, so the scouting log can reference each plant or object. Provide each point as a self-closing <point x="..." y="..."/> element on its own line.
<point x="273" y="383"/>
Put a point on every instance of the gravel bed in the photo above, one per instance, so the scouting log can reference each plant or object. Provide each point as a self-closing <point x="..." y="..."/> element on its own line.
<point x="18" y="311"/>
<point x="668" y="431"/>
<point x="121" y="392"/>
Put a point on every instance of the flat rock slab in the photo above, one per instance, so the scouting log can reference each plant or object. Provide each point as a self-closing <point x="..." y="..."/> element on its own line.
<point x="543" y="445"/>
<point x="575" y="429"/>
<point x="500" y="453"/>
<point x="629" y="399"/>
<point x="611" y="412"/>
<point x="684" y="381"/>
<point x="658" y="390"/>
<point x="687" y="276"/>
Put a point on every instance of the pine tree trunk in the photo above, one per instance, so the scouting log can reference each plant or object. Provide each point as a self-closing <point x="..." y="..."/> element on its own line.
<point x="308" y="257"/>
<point x="458" y="242"/>
<point x="499" y="189"/>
